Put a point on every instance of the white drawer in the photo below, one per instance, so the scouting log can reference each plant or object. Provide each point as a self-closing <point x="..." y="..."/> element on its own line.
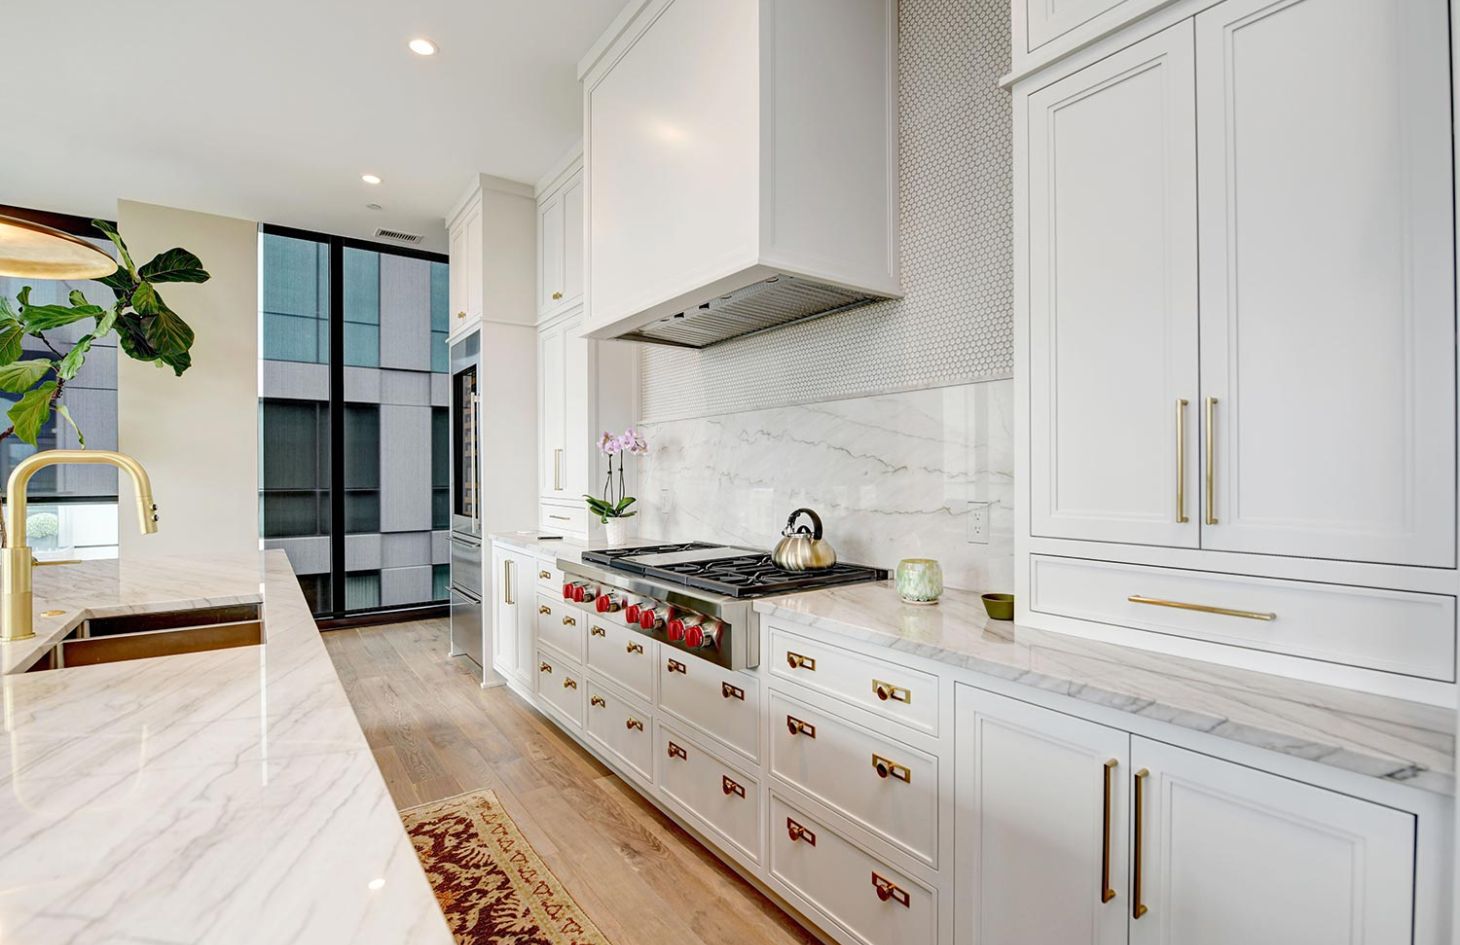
<point x="878" y="782"/>
<point x="892" y="691"/>
<point x="722" y="702"/>
<point x="549" y="579"/>
<point x="560" y="685"/>
<point x="621" y="654"/>
<point x="562" y="518"/>
<point x="622" y="729"/>
<point x="847" y="883"/>
<point x="560" y="625"/>
<point x="1392" y="631"/>
<point x="722" y="797"/>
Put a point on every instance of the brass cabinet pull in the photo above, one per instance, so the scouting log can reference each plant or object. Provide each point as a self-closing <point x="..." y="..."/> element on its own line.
<point x="675" y="666"/>
<point x="570" y="684"/>
<point x="557" y="295"/>
<point x="1181" y="462"/>
<point x="887" y="768"/>
<point x="886" y="691"/>
<point x="635" y="648"/>
<point x="507" y="583"/>
<point x="460" y="314"/>
<point x="730" y="787"/>
<point x="798" y="833"/>
<point x="887" y="889"/>
<point x="1211" y="431"/>
<point x="597" y="631"/>
<point x="597" y="702"/>
<point x="558" y="470"/>
<point x="1138" y="908"/>
<point x="797" y="661"/>
<point x="633" y="724"/>
<point x="1106" y="892"/>
<point x="560" y="518"/>
<point x="544" y="574"/>
<point x="797" y="727"/>
<point x="728" y="691"/>
<point x="1202" y="608"/>
<point x="569" y="622"/>
<point x="676" y="752"/>
<point x="544" y="609"/>
<point x="544" y="668"/>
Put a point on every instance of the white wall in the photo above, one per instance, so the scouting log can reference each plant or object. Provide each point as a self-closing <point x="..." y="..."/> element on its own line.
<point x="197" y="435"/>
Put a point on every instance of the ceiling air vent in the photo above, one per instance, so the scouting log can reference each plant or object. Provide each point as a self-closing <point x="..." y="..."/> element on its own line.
<point x="397" y="236"/>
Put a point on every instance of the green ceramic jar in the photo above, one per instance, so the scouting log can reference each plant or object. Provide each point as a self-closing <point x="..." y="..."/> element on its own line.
<point x="919" y="580"/>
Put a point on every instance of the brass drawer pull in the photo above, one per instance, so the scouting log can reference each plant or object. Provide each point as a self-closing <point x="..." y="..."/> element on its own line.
<point x="1181" y="518"/>
<point x="799" y="833"/>
<point x="634" y="647"/>
<point x="1107" y="893"/>
<point x="570" y="684"/>
<point x="675" y="666"/>
<point x="1202" y="608"/>
<point x="557" y="295"/>
<point x="886" y="691"/>
<point x="460" y="314"/>
<point x="544" y="668"/>
<point x="1211" y="480"/>
<point x="887" y="889"/>
<point x="633" y="725"/>
<point x="730" y="787"/>
<point x="728" y="691"/>
<point x="559" y="518"/>
<point x="797" y="661"/>
<point x="544" y="574"/>
<point x="570" y="622"/>
<point x="797" y="727"/>
<point x="676" y="752"/>
<point x="887" y="768"/>
<point x="1138" y="908"/>
<point x="597" y="702"/>
<point x="544" y="609"/>
<point x="597" y="631"/>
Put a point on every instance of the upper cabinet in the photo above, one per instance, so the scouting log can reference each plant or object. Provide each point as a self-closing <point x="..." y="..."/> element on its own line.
<point x="490" y="239"/>
<point x="756" y="186"/>
<point x="560" y="239"/>
<point x="465" y="247"/>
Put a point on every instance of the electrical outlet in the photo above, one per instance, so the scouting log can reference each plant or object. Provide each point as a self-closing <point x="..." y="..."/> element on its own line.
<point x="978" y="523"/>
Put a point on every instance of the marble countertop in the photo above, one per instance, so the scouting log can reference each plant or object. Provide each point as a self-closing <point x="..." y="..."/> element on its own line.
<point x="225" y="796"/>
<point x="1372" y="735"/>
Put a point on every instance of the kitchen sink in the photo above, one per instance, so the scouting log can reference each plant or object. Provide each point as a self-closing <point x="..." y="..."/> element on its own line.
<point x="141" y="636"/>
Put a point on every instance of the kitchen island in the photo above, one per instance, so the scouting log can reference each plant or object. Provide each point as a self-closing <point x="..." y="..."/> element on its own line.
<point x="222" y="796"/>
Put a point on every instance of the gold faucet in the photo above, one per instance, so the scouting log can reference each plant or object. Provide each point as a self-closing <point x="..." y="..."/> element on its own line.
<point x="16" y="560"/>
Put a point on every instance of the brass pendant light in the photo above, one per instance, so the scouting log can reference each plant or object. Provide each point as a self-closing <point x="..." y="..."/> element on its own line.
<point x="32" y="251"/>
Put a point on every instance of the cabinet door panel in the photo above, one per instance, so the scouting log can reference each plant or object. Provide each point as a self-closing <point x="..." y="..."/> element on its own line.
<point x="505" y="591"/>
<point x="1112" y="296"/>
<point x="551" y="410"/>
<point x="456" y="277"/>
<point x="573" y="237"/>
<point x="550" y="253"/>
<point x="525" y="614"/>
<point x="1327" y="301"/>
<point x="579" y="456"/>
<point x="475" y="290"/>
<point x="1231" y="854"/>
<point x="1038" y="826"/>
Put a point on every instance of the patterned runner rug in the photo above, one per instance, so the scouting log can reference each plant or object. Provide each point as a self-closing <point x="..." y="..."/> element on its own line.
<point x="490" y="883"/>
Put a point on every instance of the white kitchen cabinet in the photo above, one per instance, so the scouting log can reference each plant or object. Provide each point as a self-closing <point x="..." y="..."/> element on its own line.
<point x="1112" y="297"/>
<point x="1043" y="825"/>
<point x="464" y="242"/>
<point x="560" y="246"/>
<point x="552" y="383"/>
<point x="1229" y="854"/>
<point x="514" y="617"/>
<point x="1327" y="289"/>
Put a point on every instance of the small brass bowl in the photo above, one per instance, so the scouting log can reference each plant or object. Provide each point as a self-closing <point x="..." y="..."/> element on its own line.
<point x="999" y="606"/>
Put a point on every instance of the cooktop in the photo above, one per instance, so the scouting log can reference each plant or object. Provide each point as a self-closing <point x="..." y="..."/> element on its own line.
<point x="726" y="569"/>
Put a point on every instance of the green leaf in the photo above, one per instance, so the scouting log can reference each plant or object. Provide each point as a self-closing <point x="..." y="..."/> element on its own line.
<point x="22" y="375"/>
<point x="11" y="336"/>
<point x="175" y="265"/>
<point x="7" y="311"/>
<point x="68" y="366"/>
<point x="169" y="334"/>
<point x="134" y="340"/>
<point x="31" y="412"/>
<point x="106" y="322"/>
<point x="77" y="298"/>
<point x="179" y="361"/>
<point x="80" y="437"/>
<point x="116" y="238"/>
<point x="623" y="503"/>
<point x="45" y="317"/>
<point x="121" y="283"/>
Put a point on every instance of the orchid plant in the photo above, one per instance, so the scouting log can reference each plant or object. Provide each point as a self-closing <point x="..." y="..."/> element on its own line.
<point x="615" y="501"/>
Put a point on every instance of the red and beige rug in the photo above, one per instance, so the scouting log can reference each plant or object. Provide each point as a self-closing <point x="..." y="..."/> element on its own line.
<point x="491" y="884"/>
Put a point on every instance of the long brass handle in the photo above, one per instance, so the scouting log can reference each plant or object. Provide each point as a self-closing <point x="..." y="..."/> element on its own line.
<point x="798" y="833"/>
<point x="1202" y="608"/>
<point x="507" y="583"/>
<point x="887" y="889"/>
<point x="1138" y="908"/>
<point x="570" y="684"/>
<point x="797" y="727"/>
<point x="634" y="647"/>
<point x="544" y="609"/>
<point x="558" y="469"/>
<point x="597" y="702"/>
<point x="676" y="752"/>
<point x="597" y="631"/>
<point x="729" y="786"/>
<point x="886" y="691"/>
<point x="633" y="725"/>
<point x="887" y="768"/>
<point x="797" y="661"/>
<point x="569" y="622"/>
<point x="1211" y="477"/>
<point x="1181" y="462"/>
<point x="1106" y="892"/>
<point x="559" y="518"/>
<point x="728" y="691"/>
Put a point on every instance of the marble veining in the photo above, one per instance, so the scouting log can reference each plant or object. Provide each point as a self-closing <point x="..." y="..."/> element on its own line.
<point x="1372" y="735"/>
<point x="893" y="476"/>
<point x="226" y="796"/>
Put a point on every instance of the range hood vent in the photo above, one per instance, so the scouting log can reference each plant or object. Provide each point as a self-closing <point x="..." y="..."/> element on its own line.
<point x="771" y="303"/>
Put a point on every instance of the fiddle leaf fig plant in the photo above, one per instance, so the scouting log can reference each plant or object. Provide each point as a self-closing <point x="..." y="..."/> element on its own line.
<point x="147" y="330"/>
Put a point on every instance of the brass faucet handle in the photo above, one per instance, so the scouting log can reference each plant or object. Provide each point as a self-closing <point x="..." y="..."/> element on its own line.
<point x="35" y="562"/>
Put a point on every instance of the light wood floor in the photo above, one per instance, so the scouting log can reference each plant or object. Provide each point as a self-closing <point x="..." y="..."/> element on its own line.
<point x="436" y="732"/>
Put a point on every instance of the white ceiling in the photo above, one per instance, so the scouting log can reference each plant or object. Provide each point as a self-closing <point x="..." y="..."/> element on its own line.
<point x="272" y="109"/>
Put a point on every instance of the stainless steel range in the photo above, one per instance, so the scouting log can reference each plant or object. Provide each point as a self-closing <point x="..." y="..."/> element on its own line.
<point x="695" y="596"/>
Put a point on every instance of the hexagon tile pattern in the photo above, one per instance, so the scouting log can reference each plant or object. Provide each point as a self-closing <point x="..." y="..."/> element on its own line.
<point x="955" y="324"/>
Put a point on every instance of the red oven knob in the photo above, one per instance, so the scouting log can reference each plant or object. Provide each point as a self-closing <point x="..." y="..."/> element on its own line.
<point x="607" y="604"/>
<point x="701" y="635"/>
<point x="675" y="629"/>
<point x="568" y="591"/>
<point x="580" y="593"/>
<point x="631" y="613"/>
<point x="647" y="619"/>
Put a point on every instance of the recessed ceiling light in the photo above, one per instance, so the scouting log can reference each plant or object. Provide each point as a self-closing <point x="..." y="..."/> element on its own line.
<point x="370" y="178"/>
<point x="422" y="46"/>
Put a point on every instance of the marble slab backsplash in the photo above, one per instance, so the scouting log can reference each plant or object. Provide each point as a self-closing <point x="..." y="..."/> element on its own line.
<point x="893" y="476"/>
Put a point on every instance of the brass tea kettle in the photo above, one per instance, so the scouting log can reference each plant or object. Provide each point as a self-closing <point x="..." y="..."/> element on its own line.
<point x="802" y="548"/>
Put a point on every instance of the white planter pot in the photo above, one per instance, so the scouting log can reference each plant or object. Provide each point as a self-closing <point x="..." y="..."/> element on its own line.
<point x="616" y="531"/>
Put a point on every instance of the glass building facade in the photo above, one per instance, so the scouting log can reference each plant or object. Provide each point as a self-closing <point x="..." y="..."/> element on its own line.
<point x="394" y="513"/>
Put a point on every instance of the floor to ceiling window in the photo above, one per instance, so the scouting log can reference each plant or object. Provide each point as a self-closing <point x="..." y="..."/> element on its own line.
<point x="73" y="509"/>
<point x="353" y="407"/>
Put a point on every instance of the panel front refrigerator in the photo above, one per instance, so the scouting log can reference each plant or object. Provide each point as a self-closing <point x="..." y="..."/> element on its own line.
<point x="466" y="510"/>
